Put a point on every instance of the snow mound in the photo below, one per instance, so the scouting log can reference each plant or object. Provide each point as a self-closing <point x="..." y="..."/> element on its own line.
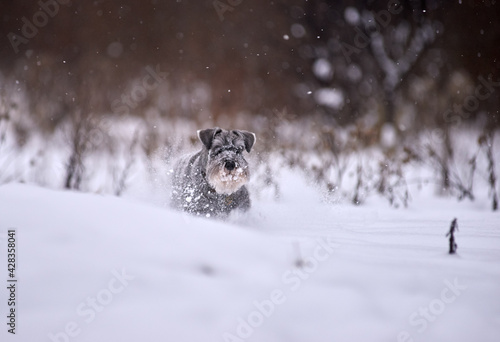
<point x="99" y="268"/>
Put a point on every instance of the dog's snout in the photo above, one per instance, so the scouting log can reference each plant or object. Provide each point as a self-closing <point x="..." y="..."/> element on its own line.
<point x="230" y="165"/>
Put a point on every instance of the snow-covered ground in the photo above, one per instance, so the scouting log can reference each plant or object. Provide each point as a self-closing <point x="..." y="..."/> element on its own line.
<point x="100" y="268"/>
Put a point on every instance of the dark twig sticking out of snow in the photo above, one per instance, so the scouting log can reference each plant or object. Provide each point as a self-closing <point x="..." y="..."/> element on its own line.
<point x="122" y="182"/>
<point x="453" y="244"/>
<point x="486" y="141"/>
<point x="357" y="192"/>
<point x="299" y="260"/>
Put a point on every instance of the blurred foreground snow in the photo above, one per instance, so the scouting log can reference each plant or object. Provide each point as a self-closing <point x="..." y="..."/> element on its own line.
<point x="101" y="268"/>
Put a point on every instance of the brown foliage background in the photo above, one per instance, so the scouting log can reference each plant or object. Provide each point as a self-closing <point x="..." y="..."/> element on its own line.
<point x="88" y="53"/>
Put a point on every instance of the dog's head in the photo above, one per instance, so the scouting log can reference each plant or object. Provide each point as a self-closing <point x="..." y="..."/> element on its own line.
<point x="226" y="169"/>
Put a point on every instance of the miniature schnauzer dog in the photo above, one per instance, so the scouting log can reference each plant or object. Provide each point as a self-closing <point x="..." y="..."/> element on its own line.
<point x="212" y="181"/>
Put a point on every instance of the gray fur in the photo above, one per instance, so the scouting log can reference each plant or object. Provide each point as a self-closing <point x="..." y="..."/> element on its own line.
<point x="211" y="182"/>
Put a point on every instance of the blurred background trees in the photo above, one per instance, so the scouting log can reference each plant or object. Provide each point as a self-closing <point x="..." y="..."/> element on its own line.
<point x="403" y="62"/>
<point x="347" y="74"/>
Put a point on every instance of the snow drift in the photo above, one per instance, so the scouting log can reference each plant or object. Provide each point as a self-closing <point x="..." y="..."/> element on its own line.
<point x="100" y="268"/>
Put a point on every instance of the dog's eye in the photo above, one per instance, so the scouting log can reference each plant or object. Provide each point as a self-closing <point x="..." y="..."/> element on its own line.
<point x="213" y="153"/>
<point x="239" y="149"/>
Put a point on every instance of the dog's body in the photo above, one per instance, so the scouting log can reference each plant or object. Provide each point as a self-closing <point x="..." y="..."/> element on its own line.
<point x="212" y="181"/>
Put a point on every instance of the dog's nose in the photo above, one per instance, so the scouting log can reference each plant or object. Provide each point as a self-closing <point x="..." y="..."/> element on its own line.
<point x="230" y="165"/>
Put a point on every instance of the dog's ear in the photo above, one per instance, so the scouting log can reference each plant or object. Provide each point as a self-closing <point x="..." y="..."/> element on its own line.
<point x="207" y="136"/>
<point x="249" y="139"/>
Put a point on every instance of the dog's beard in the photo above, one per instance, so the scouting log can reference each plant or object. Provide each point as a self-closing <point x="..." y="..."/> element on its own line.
<point x="227" y="182"/>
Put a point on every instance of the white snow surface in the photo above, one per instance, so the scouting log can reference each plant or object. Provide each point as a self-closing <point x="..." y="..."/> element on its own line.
<point x="101" y="268"/>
